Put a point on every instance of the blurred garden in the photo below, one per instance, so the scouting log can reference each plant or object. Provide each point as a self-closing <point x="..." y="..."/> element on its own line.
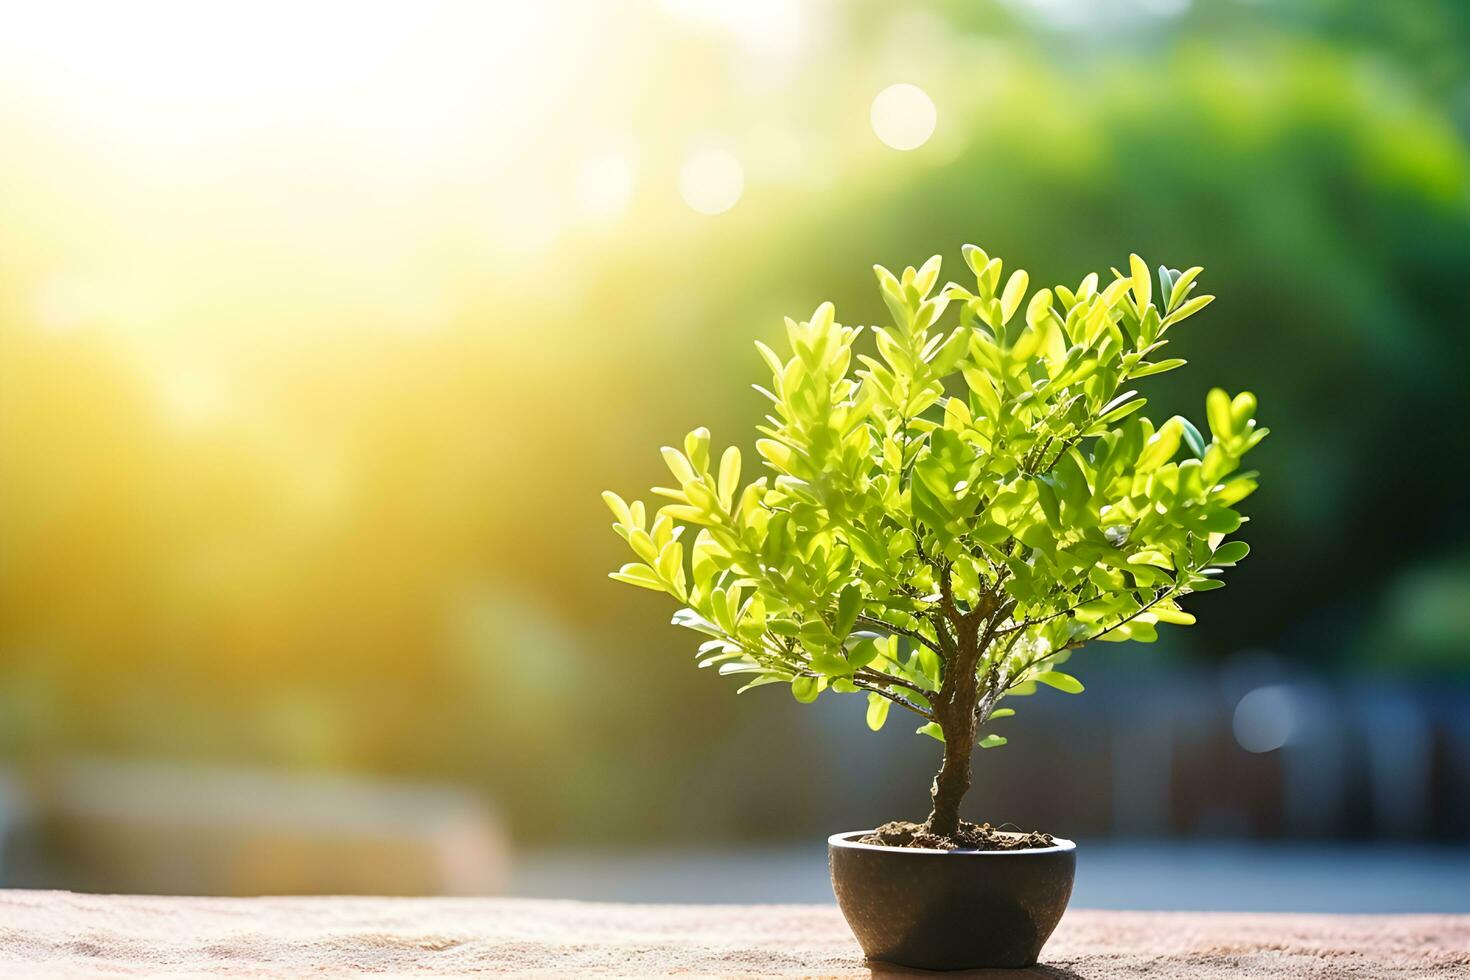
<point x="321" y="332"/>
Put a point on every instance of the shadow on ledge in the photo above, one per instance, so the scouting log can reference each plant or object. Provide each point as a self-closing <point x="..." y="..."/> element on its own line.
<point x="890" y="971"/>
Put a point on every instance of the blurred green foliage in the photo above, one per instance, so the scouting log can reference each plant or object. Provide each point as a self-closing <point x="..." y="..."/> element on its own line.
<point x="405" y="573"/>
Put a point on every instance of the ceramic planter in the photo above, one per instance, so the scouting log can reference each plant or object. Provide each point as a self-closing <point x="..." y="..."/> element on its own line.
<point x="950" y="910"/>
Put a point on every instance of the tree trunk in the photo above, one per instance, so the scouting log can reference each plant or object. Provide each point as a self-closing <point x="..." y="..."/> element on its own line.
<point x="955" y="713"/>
<point x="952" y="782"/>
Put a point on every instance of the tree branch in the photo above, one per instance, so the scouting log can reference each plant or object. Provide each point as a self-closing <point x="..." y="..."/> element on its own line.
<point x="1159" y="597"/>
<point x="946" y="596"/>
<point x="880" y="624"/>
<point x="878" y="677"/>
<point x="897" y="699"/>
<point x="1027" y="624"/>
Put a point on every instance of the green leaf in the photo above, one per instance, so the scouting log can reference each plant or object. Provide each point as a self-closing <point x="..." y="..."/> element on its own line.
<point x="1189" y="309"/>
<point x="1182" y="283"/>
<point x="1112" y="414"/>
<point x="1217" y="407"/>
<point x="1142" y="282"/>
<point x="830" y="664"/>
<point x="617" y="506"/>
<point x="696" y="447"/>
<point x="805" y="689"/>
<point x="1158" y="367"/>
<point x="975" y="257"/>
<point x="1192" y="437"/>
<point x="1060" y="681"/>
<point x="1242" y="407"/>
<point x="849" y="604"/>
<point x="992" y="741"/>
<point x="1160" y="447"/>
<point x="729" y="476"/>
<point x="1166" y="280"/>
<point x="639" y="575"/>
<point x="929" y="664"/>
<point x="678" y="465"/>
<point x="932" y="730"/>
<point x="878" y="707"/>
<point x="1230" y="552"/>
<point x="1015" y="291"/>
<point x="1002" y="713"/>
<point x="1176" y="616"/>
<point x="761" y="682"/>
<point x="863" y="652"/>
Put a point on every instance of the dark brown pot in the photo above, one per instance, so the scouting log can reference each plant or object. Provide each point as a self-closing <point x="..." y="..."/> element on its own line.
<point x="950" y="910"/>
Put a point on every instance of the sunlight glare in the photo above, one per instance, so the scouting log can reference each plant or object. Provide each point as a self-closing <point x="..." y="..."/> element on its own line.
<point x="64" y="303"/>
<point x="765" y="27"/>
<point x="181" y="51"/>
<point x="605" y="183"/>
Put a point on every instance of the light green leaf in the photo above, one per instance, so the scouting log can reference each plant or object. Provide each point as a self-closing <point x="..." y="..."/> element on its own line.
<point x="639" y="575"/>
<point x="878" y="707"/>
<point x="849" y="604"/>
<point x="805" y="689"/>
<point x="1142" y="282"/>
<point x="1015" y="291"/>
<point x="932" y="730"/>
<point x="617" y="506"/>
<point x="678" y="465"/>
<point x="696" y="447"/>
<point x="1217" y="407"/>
<point x="1189" y="309"/>
<point x="729" y="476"/>
<point x="830" y="664"/>
<point x="1230" y="552"/>
<point x="1060" y="681"/>
<point x="1161" y="447"/>
<point x="1182" y="284"/>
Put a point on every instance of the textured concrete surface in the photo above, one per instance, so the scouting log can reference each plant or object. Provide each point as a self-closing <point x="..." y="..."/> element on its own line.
<point x="59" y="934"/>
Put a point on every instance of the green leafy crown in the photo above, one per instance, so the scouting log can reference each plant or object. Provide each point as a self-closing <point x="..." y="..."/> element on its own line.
<point x="983" y="497"/>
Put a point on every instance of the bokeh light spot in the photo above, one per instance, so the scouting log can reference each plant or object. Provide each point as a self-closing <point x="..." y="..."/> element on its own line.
<point x="711" y="181"/>
<point x="904" y="116"/>
<point x="1264" y="718"/>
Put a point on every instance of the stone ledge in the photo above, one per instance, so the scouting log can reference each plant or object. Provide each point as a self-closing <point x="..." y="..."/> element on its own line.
<point x="54" y="934"/>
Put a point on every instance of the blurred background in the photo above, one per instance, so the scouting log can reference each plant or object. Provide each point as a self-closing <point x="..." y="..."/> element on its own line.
<point x="323" y="324"/>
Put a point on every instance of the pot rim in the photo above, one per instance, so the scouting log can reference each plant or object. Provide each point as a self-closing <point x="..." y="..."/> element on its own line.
<point x="848" y="839"/>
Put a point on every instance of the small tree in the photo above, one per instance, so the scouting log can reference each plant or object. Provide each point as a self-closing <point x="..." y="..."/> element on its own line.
<point x="947" y="522"/>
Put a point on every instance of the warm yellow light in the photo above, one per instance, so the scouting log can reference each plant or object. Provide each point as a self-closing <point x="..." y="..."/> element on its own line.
<point x="183" y="51"/>
<point x="63" y="304"/>
<point x="764" y="27"/>
<point x="192" y="173"/>
<point x="904" y="116"/>
<point x="605" y="183"/>
<point x="711" y="181"/>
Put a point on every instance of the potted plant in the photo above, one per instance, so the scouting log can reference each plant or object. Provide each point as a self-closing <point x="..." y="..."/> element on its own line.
<point x="944" y="522"/>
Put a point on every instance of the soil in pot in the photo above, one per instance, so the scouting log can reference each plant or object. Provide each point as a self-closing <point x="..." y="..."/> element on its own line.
<point x="971" y="837"/>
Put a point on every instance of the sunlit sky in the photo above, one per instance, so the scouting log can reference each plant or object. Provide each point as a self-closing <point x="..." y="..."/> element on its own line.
<point x="277" y="166"/>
